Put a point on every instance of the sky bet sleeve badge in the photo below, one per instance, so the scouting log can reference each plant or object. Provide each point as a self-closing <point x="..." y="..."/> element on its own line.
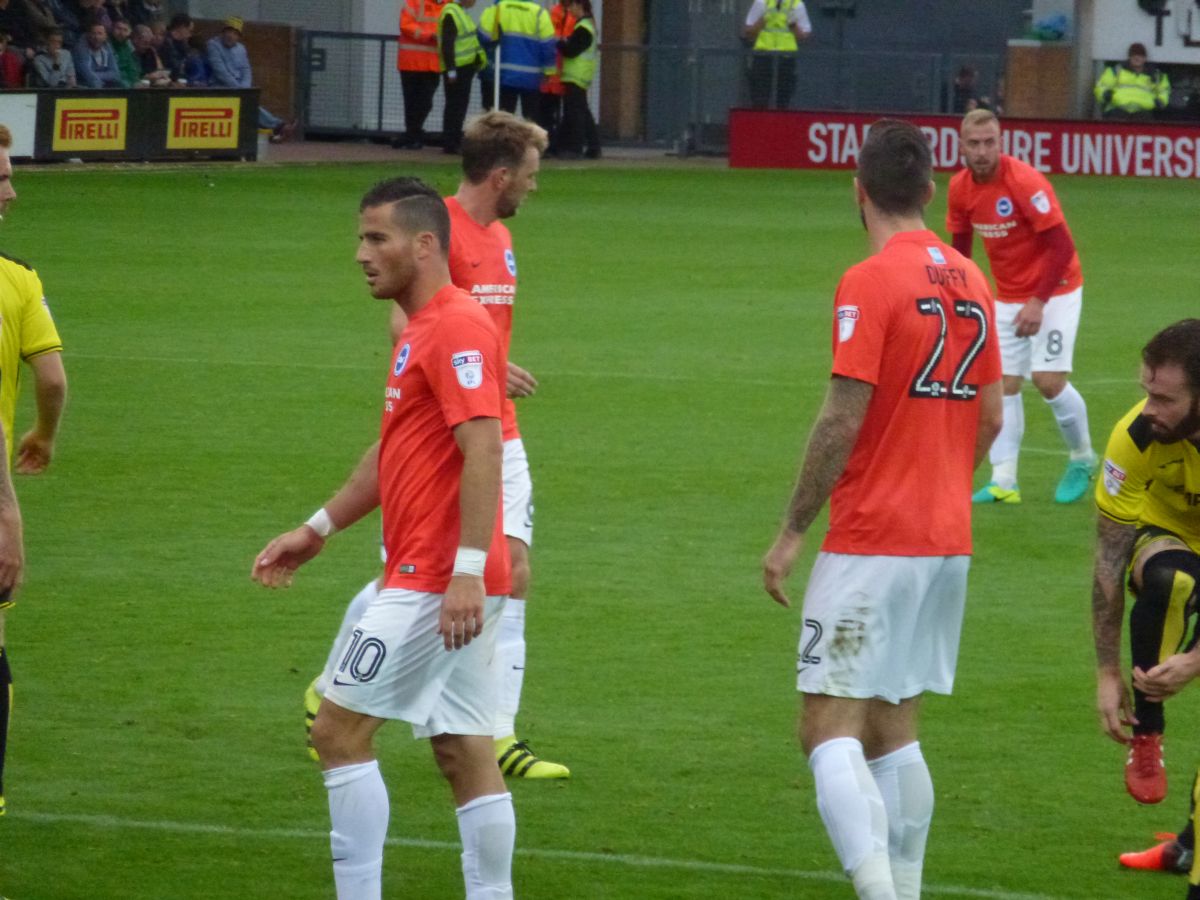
<point x="468" y="366"/>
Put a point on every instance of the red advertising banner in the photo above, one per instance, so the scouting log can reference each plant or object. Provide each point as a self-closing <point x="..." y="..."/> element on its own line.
<point x="784" y="139"/>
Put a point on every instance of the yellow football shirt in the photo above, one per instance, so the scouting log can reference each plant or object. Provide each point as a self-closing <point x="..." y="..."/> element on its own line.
<point x="1145" y="482"/>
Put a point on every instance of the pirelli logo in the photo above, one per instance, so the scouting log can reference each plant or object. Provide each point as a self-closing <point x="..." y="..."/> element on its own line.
<point x="203" y="123"/>
<point x="82" y="125"/>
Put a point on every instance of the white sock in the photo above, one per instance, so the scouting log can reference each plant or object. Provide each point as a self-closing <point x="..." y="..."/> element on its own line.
<point x="1007" y="446"/>
<point x="354" y="612"/>
<point x="1070" y="411"/>
<point x="853" y="812"/>
<point x="510" y="660"/>
<point x="358" y="812"/>
<point x="907" y="792"/>
<point x="488" y="829"/>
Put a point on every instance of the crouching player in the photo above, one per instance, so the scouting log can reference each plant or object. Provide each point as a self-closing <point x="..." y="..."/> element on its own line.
<point x="1148" y="534"/>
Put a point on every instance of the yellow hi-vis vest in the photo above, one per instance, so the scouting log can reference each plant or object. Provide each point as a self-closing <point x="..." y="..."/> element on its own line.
<point x="1124" y="89"/>
<point x="467" y="49"/>
<point x="580" y="70"/>
<point x="776" y="36"/>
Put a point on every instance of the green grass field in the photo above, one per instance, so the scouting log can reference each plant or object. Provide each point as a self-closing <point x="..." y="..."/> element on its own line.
<point x="226" y="368"/>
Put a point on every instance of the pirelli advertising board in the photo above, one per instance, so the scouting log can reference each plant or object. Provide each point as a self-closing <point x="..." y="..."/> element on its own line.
<point x="147" y="124"/>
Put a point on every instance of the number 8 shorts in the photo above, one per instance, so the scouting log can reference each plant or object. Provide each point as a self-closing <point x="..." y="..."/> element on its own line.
<point x="1052" y="349"/>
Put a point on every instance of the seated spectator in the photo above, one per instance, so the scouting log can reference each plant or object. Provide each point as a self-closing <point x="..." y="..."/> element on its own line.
<point x="95" y="62"/>
<point x="92" y="11"/>
<point x="196" y="69"/>
<point x="68" y="21"/>
<point x="151" y="64"/>
<point x="147" y="12"/>
<point x="41" y="16"/>
<point x="231" y="69"/>
<point x="53" y="66"/>
<point x="122" y="47"/>
<point x="174" y="50"/>
<point x="15" y="23"/>
<point x="12" y="65"/>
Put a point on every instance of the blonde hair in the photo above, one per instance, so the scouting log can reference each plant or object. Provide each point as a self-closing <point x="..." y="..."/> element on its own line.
<point x="5" y="137"/>
<point x="498" y="139"/>
<point x="979" y="117"/>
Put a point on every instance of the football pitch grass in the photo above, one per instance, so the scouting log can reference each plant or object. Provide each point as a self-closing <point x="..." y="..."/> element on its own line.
<point x="226" y="367"/>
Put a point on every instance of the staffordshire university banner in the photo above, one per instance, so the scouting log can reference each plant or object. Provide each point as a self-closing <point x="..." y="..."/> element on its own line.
<point x="784" y="139"/>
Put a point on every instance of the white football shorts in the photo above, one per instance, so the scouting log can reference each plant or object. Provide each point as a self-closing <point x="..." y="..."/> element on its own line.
<point x="882" y="627"/>
<point x="518" y="493"/>
<point x="394" y="665"/>
<point x="1052" y="349"/>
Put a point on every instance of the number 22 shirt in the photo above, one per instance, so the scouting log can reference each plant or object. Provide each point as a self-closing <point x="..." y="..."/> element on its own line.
<point x="916" y="321"/>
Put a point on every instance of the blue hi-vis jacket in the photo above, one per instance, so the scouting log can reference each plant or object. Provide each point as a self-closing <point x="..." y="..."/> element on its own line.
<point x="525" y="35"/>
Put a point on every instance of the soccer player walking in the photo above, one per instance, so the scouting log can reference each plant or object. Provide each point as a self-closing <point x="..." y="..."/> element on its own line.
<point x="423" y="650"/>
<point x="1039" y="291"/>
<point x="501" y="159"/>
<point x="1148" y="535"/>
<point x="912" y="406"/>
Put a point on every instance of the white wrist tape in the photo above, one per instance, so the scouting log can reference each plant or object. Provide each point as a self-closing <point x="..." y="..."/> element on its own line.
<point x="470" y="561"/>
<point x="321" y="523"/>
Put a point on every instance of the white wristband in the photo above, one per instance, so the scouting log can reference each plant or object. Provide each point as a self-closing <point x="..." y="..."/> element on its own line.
<point x="321" y="523"/>
<point x="470" y="561"/>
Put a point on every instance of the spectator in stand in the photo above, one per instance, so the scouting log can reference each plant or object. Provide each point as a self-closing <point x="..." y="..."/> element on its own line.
<point x="15" y="23"/>
<point x="12" y="65"/>
<point x="92" y="11"/>
<point x="579" y="133"/>
<point x="230" y="65"/>
<point x="122" y="47"/>
<point x="174" y="51"/>
<point x="196" y="67"/>
<point x="151" y="63"/>
<point x="118" y="10"/>
<point x="41" y="17"/>
<point x="68" y="21"/>
<point x="147" y="12"/>
<point x="53" y="66"/>
<point x="95" y="62"/>
<point x="1134" y="89"/>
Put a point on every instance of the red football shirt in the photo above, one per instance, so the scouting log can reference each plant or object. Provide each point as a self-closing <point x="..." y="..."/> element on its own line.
<point x="1008" y="212"/>
<point x="916" y="321"/>
<point x="482" y="264"/>
<point x="448" y="368"/>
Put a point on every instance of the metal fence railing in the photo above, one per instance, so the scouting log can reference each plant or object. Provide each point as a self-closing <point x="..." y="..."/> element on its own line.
<point x="665" y="95"/>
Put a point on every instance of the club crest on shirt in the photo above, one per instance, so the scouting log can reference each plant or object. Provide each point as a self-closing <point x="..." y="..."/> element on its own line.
<point x="1040" y="202"/>
<point x="937" y="256"/>
<point x="1114" y="477"/>
<point x="847" y="318"/>
<point x="468" y="368"/>
<point x="1004" y="207"/>
<point x="511" y="262"/>
<point x="401" y="360"/>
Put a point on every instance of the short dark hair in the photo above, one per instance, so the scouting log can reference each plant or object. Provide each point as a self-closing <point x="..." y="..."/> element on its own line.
<point x="895" y="167"/>
<point x="498" y="139"/>
<point x="417" y="207"/>
<point x="1179" y="345"/>
<point x="179" y="20"/>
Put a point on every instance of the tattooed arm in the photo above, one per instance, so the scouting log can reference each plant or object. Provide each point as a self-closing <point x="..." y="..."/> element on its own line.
<point x="829" y="446"/>
<point x="1114" y="548"/>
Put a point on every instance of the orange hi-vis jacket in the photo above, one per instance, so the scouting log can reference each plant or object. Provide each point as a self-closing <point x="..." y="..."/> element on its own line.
<point x="564" y="24"/>
<point x="418" y="36"/>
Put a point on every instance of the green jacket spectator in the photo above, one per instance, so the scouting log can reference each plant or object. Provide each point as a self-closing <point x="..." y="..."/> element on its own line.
<point x="1132" y="89"/>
